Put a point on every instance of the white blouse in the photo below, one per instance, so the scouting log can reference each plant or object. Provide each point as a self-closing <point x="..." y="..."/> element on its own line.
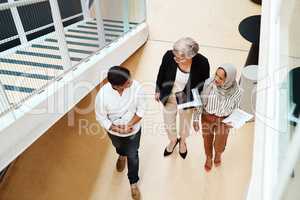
<point x="180" y="81"/>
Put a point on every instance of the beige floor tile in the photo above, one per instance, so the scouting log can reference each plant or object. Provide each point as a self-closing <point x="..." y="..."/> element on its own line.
<point x="212" y="22"/>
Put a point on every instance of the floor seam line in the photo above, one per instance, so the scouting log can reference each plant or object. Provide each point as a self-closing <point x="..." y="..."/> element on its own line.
<point x="203" y="45"/>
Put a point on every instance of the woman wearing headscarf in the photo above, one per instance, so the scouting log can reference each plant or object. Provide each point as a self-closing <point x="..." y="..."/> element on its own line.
<point x="221" y="95"/>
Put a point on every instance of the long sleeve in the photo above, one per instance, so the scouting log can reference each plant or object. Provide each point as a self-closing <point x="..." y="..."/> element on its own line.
<point x="238" y="101"/>
<point x="206" y="74"/>
<point x="101" y="112"/>
<point x="200" y="72"/>
<point x="161" y="73"/>
<point x="197" y="113"/>
<point x="203" y="96"/>
<point x="141" y="102"/>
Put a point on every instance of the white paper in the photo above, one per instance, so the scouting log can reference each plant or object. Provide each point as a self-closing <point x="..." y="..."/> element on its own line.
<point x="197" y="101"/>
<point x="238" y="118"/>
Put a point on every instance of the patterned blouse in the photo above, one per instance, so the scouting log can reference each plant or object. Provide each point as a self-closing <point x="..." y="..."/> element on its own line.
<point x="219" y="105"/>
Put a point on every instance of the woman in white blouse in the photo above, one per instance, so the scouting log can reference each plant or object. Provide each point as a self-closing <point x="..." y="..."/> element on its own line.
<point x="181" y="70"/>
<point x="221" y="95"/>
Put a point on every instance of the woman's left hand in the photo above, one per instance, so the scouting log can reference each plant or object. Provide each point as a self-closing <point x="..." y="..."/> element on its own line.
<point x="196" y="125"/>
<point x="157" y="94"/>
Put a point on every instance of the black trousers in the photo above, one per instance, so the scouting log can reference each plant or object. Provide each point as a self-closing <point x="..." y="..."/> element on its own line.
<point x="128" y="146"/>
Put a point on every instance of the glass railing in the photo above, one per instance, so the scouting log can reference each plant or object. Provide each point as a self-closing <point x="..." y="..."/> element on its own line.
<point x="41" y="40"/>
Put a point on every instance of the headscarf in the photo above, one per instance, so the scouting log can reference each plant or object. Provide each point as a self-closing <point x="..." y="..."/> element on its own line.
<point x="229" y="87"/>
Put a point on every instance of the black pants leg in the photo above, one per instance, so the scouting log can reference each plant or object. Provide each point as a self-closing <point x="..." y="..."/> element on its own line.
<point x="128" y="146"/>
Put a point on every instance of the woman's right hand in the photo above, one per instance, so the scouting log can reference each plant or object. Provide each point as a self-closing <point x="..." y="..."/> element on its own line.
<point x="157" y="95"/>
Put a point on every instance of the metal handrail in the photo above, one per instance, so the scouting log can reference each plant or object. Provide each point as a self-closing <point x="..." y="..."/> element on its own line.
<point x="39" y="87"/>
<point x="6" y="6"/>
<point x="38" y="29"/>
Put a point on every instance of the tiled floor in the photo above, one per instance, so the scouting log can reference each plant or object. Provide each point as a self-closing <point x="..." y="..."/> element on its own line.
<point x="212" y="22"/>
<point x="292" y="190"/>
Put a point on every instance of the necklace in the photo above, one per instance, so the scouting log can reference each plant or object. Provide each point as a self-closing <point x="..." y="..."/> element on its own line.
<point x="185" y="67"/>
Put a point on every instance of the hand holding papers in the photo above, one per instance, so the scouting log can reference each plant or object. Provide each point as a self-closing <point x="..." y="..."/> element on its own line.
<point x="184" y="101"/>
<point x="238" y="118"/>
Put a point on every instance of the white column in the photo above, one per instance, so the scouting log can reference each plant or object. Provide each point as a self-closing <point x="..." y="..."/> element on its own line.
<point x="100" y="27"/>
<point x="126" y="15"/>
<point x="143" y="11"/>
<point x="18" y="23"/>
<point x="265" y="148"/>
<point x="60" y="33"/>
<point x="85" y="9"/>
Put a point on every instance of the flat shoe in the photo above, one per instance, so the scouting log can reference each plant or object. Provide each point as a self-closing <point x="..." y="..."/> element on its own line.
<point x="120" y="166"/>
<point x="218" y="160"/>
<point x="135" y="193"/>
<point x="208" y="165"/>
<point x="217" y="163"/>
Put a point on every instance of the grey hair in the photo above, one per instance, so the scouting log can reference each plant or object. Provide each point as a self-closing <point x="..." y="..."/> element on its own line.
<point x="186" y="46"/>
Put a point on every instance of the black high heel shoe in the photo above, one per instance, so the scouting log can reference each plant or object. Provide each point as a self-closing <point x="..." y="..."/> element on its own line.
<point x="167" y="153"/>
<point x="183" y="155"/>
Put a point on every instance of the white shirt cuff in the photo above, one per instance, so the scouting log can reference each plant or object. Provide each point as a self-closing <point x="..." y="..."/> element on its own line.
<point x="140" y="113"/>
<point x="107" y="124"/>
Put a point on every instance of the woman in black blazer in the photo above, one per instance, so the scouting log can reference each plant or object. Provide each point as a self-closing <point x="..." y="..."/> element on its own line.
<point x="182" y="69"/>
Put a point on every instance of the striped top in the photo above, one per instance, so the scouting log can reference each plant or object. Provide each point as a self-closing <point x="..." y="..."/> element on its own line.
<point x="219" y="105"/>
<point x="223" y="106"/>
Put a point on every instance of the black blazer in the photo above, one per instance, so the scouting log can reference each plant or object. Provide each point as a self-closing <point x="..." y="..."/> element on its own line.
<point x="167" y="75"/>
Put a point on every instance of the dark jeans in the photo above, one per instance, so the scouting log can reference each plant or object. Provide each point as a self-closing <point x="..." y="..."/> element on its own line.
<point x="128" y="146"/>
